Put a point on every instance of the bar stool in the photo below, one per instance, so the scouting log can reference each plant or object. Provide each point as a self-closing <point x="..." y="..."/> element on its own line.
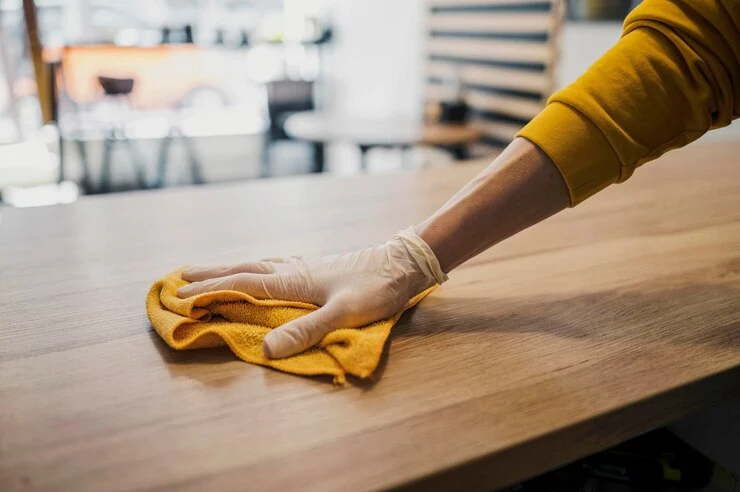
<point x="118" y="94"/>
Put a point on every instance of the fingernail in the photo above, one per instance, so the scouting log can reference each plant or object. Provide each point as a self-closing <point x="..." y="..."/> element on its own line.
<point x="183" y="291"/>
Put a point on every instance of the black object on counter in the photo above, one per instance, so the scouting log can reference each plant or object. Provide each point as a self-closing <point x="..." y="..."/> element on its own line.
<point x="454" y="112"/>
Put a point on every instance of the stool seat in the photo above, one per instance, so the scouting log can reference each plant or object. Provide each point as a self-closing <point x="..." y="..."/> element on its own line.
<point x="116" y="87"/>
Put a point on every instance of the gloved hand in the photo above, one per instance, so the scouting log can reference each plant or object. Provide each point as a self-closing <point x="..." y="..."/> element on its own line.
<point x="352" y="290"/>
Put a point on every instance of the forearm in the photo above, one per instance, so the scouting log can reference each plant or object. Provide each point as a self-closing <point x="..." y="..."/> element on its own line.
<point x="674" y="74"/>
<point x="517" y="190"/>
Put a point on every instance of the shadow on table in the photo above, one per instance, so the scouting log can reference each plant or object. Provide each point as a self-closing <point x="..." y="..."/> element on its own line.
<point x="701" y="313"/>
<point x="215" y="363"/>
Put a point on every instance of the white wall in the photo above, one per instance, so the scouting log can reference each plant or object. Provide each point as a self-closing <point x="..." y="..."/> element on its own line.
<point x="581" y="44"/>
<point x="376" y="64"/>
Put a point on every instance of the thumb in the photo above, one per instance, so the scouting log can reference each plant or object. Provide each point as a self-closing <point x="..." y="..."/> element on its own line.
<point x="304" y="332"/>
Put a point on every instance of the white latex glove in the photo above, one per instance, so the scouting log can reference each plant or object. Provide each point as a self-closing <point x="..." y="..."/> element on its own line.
<point x="353" y="289"/>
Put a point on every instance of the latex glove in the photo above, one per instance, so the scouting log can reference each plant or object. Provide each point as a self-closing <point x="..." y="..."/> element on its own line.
<point x="352" y="290"/>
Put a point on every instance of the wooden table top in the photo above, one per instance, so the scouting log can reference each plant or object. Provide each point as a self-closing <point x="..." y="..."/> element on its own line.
<point x="599" y="324"/>
<point x="317" y="126"/>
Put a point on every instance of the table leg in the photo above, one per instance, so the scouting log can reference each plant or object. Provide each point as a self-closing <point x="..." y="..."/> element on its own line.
<point x="266" y="148"/>
<point x="318" y="157"/>
<point x="363" y="156"/>
<point x="405" y="156"/>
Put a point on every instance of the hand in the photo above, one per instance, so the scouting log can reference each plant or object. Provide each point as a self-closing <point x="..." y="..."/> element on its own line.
<point x="352" y="290"/>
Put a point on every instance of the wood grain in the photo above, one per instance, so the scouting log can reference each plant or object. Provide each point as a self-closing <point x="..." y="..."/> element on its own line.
<point x="504" y="51"/>
<point x="599" y="324"/>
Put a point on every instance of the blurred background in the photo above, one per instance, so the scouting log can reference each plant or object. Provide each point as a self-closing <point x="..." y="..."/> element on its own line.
<point x="100" y="96"/>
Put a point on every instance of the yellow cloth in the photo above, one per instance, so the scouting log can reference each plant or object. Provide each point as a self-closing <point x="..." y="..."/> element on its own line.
<point x="241" y="322"/>
<point x="674" y="74"/>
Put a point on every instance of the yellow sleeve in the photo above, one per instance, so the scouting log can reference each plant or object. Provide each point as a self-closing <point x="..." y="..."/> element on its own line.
<point x="674" y="74"/>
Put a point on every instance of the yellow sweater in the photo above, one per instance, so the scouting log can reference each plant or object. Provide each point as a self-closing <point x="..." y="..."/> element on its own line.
<point x="674" y="74"/>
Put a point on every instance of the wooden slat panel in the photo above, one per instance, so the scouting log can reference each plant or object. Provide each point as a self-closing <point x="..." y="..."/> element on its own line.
<point x="486" y="115"/>
<point x="514" y="65"/>
<point x="492" y="76"/>
<point x="509" y="51"/>
<point x="518" y="107"/>
<point x="497" y="129"/>
<point x="504" y="79"/>
<point x="484" y="150"/>
<point x="541" y="37"/>
<point x="505" y="22"/>
<point x="521" y="108"/>
<point x="502" y="91"/>
<point x="456" y="3"/>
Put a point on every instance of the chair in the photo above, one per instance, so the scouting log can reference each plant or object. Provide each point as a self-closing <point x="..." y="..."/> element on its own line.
<point x="285" y="97"/>
<point x="503" y="54"/>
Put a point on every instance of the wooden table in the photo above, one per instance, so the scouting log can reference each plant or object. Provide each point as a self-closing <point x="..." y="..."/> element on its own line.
<point x="320" y="128"/>
<point x="606" y="321"/>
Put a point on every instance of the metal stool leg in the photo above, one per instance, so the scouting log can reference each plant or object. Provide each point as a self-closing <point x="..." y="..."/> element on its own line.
<point x="105" y="166"/>
<point x="137" y="162"/>
<point x="363" y="156"/>
<point x="87" y="181"/>
<point x="164" y="149"/>
<point x="319" y="157"/>
<point x="266" y="155"/>
<point x="196" y="171"/>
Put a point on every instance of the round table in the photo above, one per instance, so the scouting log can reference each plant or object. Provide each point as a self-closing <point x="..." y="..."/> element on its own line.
<point x="321" y="128"/>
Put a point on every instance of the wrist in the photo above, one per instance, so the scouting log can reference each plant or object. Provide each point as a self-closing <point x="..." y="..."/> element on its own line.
<point x="436" y="241"/>
<point x="422" y="256"/>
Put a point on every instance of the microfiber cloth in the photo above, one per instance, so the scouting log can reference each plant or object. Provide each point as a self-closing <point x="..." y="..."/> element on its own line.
<point x="241" y="322"/>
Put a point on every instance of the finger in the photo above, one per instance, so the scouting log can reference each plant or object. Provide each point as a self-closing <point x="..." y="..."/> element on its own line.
<point x="256" y="285"/>
<point x="298" y="335"/>
<point x="199" y="273"/>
